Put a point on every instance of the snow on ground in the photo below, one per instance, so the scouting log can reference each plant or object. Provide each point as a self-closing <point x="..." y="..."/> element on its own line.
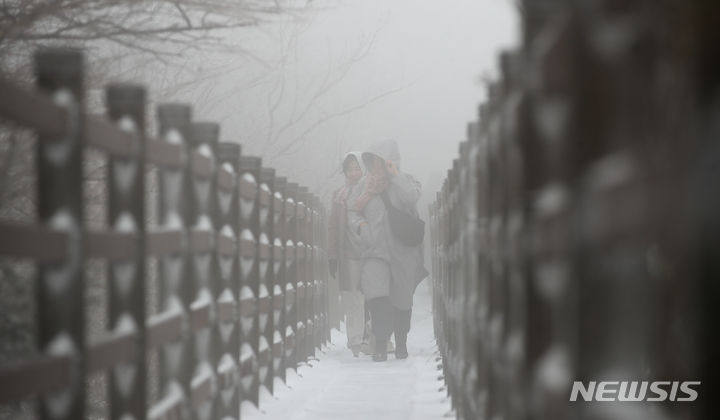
<point x="339" y="386"/>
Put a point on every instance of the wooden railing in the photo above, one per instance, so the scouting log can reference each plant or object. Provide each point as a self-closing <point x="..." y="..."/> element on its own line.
<point x="576" y="236"/>
<point x="240" y="255"/>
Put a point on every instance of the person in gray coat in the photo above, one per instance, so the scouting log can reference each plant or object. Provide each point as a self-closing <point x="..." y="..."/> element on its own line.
<point x="390" y="270"/>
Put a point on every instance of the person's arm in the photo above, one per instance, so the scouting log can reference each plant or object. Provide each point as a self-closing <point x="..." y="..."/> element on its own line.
<point x="357" y="222"/>
<point x="407" y="188"/>
<point x="368" y="225"/>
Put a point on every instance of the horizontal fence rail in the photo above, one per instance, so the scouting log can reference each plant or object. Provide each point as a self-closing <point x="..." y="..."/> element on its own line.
<point x="240" y="251"/>
<point x="575" y="237"/>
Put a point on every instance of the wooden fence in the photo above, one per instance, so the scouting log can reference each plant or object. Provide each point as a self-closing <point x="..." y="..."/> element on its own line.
<point x="576" y="237"/>
<point x="242" y="269"/>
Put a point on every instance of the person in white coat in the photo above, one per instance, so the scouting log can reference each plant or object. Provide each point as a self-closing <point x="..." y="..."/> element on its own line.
<point x="344" y="253"/>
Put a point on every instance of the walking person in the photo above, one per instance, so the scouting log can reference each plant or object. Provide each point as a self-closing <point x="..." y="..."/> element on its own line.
<point x="344" y="252"/>
<point x="392" y="256"/>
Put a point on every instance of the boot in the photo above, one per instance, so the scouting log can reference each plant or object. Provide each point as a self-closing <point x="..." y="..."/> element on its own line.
<point x="401" y="346"/>
<point x="380" y="354"/>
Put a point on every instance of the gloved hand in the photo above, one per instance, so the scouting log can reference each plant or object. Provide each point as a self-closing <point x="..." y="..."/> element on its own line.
<point x="333" y="267"/>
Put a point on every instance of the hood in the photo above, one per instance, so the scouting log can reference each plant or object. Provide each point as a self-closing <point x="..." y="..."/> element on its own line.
<point x="348" y="155"/>
<point x="386" y="149"/>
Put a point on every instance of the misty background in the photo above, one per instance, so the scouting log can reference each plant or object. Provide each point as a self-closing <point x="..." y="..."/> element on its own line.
<point x="306" y="86"/>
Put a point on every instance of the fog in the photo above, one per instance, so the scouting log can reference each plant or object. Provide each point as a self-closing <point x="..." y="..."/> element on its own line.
<point x="305" y="88"/>
<point x="571" y="255"/>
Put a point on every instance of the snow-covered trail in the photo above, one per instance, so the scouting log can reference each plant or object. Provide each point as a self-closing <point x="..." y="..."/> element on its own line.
<point x="339" y="386"/>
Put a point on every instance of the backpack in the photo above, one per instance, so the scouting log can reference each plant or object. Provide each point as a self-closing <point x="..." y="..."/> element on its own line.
<point x="407" y="228"/>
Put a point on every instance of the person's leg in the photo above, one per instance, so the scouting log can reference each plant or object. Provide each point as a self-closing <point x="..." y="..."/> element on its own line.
<point x="354" y="303"/>
<point x="368" y="340"/>
<point x="401" y="326"/>
<point x="381" y="316"/>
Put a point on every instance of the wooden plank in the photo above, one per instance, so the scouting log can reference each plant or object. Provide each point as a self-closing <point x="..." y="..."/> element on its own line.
<point x="111" y="245"/>
<point x="202" y="241"/>
<point x="278" y="302"/>
<point x="247" y="248"/>
<point x="164" y="243"/>
<point x="111" y="350"/>
<point x="201" y="389"/>
<point x="162" y="154"/>
<point x="164" y="328"/>
<point x="31" y="109"/>
<point x="169" y="408"/>
<point x="201" y="165"/>
<point x="264" y="304"/>
<point x="226" y="376"/>
<point x="248" y="187"/>
<point x="225" y="180"/>
<point x="199" y="315"/>
<point x="226" y="311"/>
<point x="265" y="195"/>
<point x="264" y="249"/>
<point x="33" y="241"/>
<point x="104" y="135"/>
<point x="248" y="307"/>
<point x="39" y="375"/>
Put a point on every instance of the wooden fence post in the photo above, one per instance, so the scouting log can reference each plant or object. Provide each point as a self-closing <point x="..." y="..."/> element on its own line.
<point x="177" y="358"/>
<point x="60" y="287"/>
<point x="267" y="273"/>
<point x="250" y="264"/>
<point x="203" y="141"/>
<point x="291" y="275"/>
<point x="279" y="273"/>
<point x="303" y="329"/>
<point x="240" y="258"/>
<point x="314" y="252"/>
<point x="126" y="279"/>
<point x="324" y="274"/>
<point x="228" y="287"/>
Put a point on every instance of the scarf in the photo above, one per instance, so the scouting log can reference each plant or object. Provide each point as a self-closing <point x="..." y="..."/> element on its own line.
<point x="374" y="186"/>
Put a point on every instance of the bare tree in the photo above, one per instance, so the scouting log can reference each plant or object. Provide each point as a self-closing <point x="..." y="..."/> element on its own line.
<point x="161" y="30"/>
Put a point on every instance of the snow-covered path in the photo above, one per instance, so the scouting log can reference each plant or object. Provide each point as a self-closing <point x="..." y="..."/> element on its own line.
<point x="339" y="386"/>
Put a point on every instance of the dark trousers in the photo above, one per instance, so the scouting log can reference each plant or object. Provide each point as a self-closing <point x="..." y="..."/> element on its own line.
<point x="387" y="319"/>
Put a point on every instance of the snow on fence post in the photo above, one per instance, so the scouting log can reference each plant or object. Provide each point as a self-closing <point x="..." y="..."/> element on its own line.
<point x="299" y="220"/>
<point x="312" y="284"/>
<point x="203" y="147"/>
<point x="250" y="263"/>
<point x="267" y="275"/>
<point x="126" y="278"/>
<point x="514" y="117"/>
<point x="280" y="278"/>
<point x="60" y="288"/>
<point x="303" y="289"/>
<point x="463" y="286"/>
<point x="227" y="285"/>
<point x="320" y="274"/>
<point x="312" y="280"/>
<point x="324" y="275"/>
<point x="231" y="246"/>
<point x="177" y="361"/>
<point x="291" y="275"/>
<point x="577" y="167"/>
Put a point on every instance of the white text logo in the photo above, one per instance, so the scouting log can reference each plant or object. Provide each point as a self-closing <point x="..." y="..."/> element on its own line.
<point x="635" y="391"/>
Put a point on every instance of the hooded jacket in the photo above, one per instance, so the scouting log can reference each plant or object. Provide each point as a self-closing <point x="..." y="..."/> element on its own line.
<point x="344" y="246"/>
<point x="371" y="222"/>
